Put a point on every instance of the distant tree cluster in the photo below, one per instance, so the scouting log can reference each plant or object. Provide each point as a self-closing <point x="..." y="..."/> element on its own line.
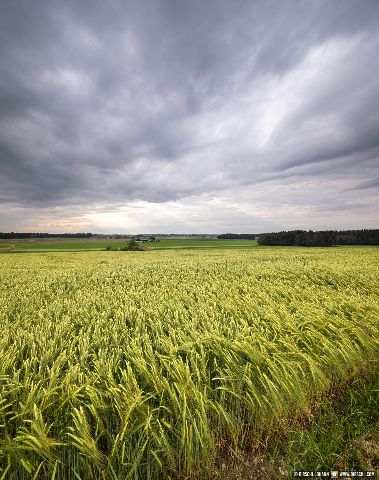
<point x="237" y="236"/>
<point x="326" y="238"/>
<point x="132" y="245"/>
<point x="44" y="235"/>
<point x="358" y="237"/>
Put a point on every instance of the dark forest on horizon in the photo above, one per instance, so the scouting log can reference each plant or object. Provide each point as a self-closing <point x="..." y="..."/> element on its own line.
<point x="326" y="238"/>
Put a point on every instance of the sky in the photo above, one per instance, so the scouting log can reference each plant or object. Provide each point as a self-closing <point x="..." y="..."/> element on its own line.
<point x="189" y="116"/>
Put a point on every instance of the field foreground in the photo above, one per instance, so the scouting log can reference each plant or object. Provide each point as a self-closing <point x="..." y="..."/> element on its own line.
<point x="152" y="365"/>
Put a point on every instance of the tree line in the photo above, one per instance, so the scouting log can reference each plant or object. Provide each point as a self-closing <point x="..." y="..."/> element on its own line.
<point x="44" y="235"/>
<point x="326" y="238"/>
<point x="237" y="236"/>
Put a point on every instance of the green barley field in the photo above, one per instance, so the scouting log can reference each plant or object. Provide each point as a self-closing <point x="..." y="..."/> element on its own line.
<point x="165" y="364"/>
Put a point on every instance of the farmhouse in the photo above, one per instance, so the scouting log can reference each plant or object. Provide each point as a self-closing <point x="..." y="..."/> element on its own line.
<point x="145" y="239"/>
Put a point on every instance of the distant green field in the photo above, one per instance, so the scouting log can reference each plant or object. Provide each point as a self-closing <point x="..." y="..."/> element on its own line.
<point x="101" y="244"/>
<point x="201" y="243"/>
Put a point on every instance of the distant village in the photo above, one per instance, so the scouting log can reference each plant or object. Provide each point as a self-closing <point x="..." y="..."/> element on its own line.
<point x="150" y="238"/>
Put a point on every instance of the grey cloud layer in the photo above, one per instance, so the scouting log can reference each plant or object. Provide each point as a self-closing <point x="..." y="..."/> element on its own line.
<point x="162" y="100"/>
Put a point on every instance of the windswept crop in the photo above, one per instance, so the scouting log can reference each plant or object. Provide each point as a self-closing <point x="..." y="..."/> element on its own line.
<point x="130" y="365"/>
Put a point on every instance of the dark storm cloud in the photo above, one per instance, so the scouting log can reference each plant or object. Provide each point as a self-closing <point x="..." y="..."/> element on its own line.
<point x="160" y="100"/>
<point x="370" y="183"/>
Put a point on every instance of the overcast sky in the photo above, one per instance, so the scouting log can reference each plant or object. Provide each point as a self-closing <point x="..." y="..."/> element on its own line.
<point x="189" y="116"/>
